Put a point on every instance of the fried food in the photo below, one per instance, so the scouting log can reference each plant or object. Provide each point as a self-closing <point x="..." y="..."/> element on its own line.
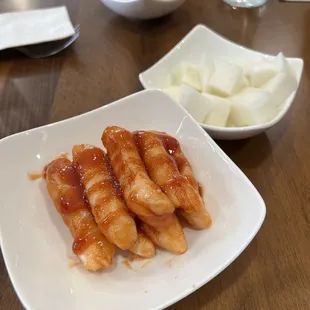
<point x="143" y="247"/>
<point x="104" y="195"/>
<point x="171" y="237"/>
<point x="174" y="149"/>
<point x="66" y="191"/>
<point x="142" y="196"/>
<point x="199" y="218"/>
<point x="164" y="172"/>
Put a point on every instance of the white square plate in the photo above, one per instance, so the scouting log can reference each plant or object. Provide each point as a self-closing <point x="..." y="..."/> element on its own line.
<point x="36" y="244"/>
<point x="201" y="42"/>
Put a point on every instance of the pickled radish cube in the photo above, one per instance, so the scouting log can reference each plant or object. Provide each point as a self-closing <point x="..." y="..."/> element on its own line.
<point x="281" y="87"/>
<point x="251" y="107"/>
<point x="196" y="105"/>
<point x="261" y="72"/>
<point x="173" y="92"/>
<point x="219" y="110"/>
<point x="187" y="74"/>
<point x="206" y="71"/>
<point x="283" y="65"/>
<point x="225" y="78"/>
<point x="179" y="93"/>
<point x="245" y="64"/>
<point x="243" y="83"/>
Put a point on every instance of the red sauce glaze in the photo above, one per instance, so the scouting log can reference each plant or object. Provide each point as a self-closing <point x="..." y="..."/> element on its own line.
<point x="89" y="156"/>
<point x="145" y="143"/>
<point x="82" y="243"/>
<point x="44" y="171"/>
<point x="137" y="135"/>
<point x="94" y="159"/>
<point x="119" y="164"/>
<point x="71" y="197"/>
<point x="110" y="217"/>
<point x="170" y="143"/>
<point x="116" y="185"/>
<point x="174" y="182"/>
<point x="139" y="225"/>
<point x="200" y="189"/>
<point x="173" y="147"/>
<point x="181" y="161"/>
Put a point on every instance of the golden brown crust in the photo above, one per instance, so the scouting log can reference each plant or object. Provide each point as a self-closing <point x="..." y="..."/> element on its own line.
<point x="199" y="218"/>
<point x="171" y="237"/>
<point x="92" y="248"/>
<point x="142" y="196"/>
<point x="143" y="246"/>
<point x="104" y="195"/>
<point x="163" y="170"/>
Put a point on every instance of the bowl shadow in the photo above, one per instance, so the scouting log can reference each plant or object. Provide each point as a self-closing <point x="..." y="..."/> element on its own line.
<point x="248" y="153"/>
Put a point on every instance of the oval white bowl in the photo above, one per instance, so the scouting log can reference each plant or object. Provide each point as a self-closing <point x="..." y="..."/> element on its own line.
<point x="201" y="40"/>
<point x="142" y="9"/>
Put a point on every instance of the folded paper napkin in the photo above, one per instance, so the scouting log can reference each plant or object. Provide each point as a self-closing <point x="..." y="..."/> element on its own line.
<point x="32" y="27"/>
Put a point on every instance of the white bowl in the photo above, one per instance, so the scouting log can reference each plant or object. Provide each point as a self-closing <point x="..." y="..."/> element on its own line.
<point x="142" y="9"/>
<point x="202" y="40"/>
<point x="36" y="244"/>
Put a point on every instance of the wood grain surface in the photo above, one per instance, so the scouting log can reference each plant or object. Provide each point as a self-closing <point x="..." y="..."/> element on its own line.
<point x="103" y="65"/>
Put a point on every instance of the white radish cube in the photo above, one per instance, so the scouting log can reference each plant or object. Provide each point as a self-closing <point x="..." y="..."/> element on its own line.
<point x="179" y="93"/>
<point x="226" y="78"/>
<point x="243" y="83"/>
<point x="280" y="87"/>
<point x="245" y="64"/>
<point x="251" y="107"/>
<point x="219" y="110"/>
<point x="283" y="65"/>
<point x="207" y="69"/>
<point x="196" y="105"/>
<point x="173" y="92"/>
<point x="261" y="72"/>
<point x="187" y="74"/>
<point x="283" y="84"/>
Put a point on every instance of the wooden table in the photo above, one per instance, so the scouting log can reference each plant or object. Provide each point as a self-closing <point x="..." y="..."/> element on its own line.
<point x="103" y="65"/>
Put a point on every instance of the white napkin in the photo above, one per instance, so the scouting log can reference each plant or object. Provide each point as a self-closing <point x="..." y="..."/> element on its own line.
<point x="31" y="27"/>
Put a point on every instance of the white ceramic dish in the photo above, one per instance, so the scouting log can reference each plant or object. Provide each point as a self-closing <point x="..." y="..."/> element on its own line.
<point x="142" y="9"/>
<point x="202" y="40"/>
<point x="36" y="244"/>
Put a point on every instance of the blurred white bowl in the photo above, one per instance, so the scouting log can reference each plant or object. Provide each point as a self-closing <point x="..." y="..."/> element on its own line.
<point x="201" y="40"/>
<point x="142" y="9"/>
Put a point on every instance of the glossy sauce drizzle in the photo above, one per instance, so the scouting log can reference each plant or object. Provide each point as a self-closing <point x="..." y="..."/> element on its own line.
<point x="171" y="144"/>
<point x="173" y="148"/>
<point x="113" y="178"/>
<point x="62" y="173"/>
<point x="92" y="162"/>
<point x="73" y="198"/>
<point x="80" y="244"/>
<point x="200" y="189"/>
